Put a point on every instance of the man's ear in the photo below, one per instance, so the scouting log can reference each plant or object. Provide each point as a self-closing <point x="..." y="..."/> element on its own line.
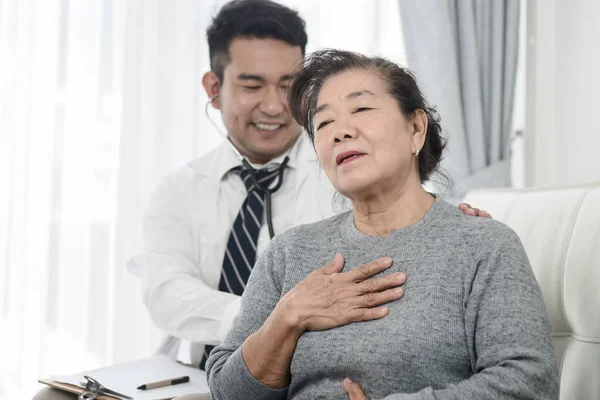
<point x="419" y="133"/>
<point x="212" y="85"/>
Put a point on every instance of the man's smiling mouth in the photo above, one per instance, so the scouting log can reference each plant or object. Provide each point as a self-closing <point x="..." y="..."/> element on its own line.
<point x="267" y="127"/>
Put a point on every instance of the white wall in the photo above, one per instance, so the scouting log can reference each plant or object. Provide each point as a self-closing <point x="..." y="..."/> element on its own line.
<point x="563" y="92"/>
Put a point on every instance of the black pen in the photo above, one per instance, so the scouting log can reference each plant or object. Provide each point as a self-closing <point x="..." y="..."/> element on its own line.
<point x="166" y="382"/>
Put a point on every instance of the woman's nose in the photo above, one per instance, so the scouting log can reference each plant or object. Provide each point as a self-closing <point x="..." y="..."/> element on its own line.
<point x="341" y="137"/>
<point x="344" y="131"/>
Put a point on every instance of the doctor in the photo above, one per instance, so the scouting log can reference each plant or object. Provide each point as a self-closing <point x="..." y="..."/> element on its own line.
<point x="207" y="221"/>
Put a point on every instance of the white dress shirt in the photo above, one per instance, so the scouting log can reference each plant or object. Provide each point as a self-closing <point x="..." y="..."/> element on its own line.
<point x="186" y="229"/>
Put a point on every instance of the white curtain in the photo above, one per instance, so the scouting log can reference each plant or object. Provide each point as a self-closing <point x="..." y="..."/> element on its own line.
<point x="465" y="55"/>
<point x="98" y="100"/>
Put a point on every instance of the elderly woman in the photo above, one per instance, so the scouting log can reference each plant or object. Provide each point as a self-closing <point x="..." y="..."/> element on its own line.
<point x="419" y="302"/>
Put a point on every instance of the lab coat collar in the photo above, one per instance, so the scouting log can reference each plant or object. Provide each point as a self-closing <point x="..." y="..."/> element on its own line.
<point x="301" y="151"/>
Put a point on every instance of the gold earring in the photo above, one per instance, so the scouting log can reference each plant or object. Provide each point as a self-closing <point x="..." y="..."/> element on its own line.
<point x="417" y="153"/>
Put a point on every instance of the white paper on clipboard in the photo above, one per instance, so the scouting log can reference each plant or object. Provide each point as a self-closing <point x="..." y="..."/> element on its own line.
<point x="125" y="378"/>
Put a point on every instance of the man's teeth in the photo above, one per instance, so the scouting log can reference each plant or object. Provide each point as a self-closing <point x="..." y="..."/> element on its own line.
<point x="268" y="127"/>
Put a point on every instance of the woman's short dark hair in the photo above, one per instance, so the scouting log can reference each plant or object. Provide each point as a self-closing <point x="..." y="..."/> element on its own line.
<point x="259" y="19"/>
<point x="400" y="83"/>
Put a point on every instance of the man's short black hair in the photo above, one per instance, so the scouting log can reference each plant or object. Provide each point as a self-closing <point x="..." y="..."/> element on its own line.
<point x="260" y="19"/>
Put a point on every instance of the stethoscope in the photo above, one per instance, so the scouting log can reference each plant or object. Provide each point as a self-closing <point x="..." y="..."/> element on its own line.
<point x="267" y="191"/>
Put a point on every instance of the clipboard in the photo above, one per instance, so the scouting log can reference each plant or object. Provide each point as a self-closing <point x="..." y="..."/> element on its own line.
<point x="123" y="379"/>
<point x="78" y="390"/>
<point x="72" y="388"/>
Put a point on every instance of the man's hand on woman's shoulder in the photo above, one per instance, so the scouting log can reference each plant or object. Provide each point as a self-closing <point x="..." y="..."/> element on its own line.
<point x="472" y="211"/>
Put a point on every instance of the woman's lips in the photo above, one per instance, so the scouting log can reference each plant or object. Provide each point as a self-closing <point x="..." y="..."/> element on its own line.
<point x="348" y="156"/>
<point x="351" y="158"/>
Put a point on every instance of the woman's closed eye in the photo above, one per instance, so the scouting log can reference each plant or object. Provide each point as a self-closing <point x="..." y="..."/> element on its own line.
<point x="324" y="124"/>
<point x="356" y="110"/>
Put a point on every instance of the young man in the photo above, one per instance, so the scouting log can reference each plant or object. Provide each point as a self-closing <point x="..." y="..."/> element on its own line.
<point x="189" y="233"/>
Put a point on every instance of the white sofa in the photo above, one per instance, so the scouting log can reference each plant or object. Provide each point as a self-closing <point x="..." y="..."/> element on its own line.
<point x="560" y="229"/>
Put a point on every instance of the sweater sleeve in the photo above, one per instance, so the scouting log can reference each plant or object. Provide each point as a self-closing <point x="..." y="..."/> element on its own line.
<point x="508" y="332"/>
<point x="228" y="375"/>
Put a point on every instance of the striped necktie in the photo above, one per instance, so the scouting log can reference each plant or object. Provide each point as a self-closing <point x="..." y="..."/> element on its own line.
<point x="240" y="253"/>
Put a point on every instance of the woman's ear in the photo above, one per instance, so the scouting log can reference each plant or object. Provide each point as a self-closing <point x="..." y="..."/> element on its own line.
<point x="212" y="85"/>
<point x="419" y="133"/>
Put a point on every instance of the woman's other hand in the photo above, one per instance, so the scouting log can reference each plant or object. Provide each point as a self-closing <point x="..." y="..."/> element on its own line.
<point x="354" y="390"/>
<point x="328" y="298"/>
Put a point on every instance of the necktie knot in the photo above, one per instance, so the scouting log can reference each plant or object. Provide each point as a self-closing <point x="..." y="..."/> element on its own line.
<point x="264" y="178"/>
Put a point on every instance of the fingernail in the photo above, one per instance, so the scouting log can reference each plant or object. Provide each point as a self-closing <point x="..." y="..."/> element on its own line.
<point x="348" y="380"/>
<point x="400" y="276"/>
<point x="398" y="290"/>
<point x="386" y="261"/>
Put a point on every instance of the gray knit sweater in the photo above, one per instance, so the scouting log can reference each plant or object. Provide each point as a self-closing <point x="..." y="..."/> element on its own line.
<point x="472" y="323"/>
